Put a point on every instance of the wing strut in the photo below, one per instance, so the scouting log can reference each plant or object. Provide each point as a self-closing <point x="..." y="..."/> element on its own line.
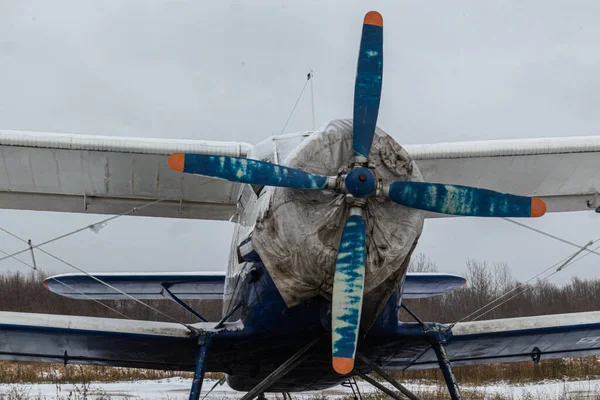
<point x="180" y="302"/>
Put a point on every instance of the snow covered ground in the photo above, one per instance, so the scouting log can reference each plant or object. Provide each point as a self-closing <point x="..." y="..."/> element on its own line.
<point x="178" y="388"/>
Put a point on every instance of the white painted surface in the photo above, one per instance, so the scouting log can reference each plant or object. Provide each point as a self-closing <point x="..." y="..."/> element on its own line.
<point x="118" y="144"/>
<point x="110" y="175"/>
<point x="513" y="324"/>
<point x="53" y="172"/>
<point x="108" y="324"/>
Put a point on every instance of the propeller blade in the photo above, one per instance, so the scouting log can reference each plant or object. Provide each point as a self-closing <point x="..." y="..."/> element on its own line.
<point x="367" y="88"/>
<point x="348" y="284"/>
<point x="464" y="200"/>
<point x="245" y="170"/>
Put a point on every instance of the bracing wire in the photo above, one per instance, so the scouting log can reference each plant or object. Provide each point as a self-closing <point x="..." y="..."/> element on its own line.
<point x="582" y="248"/>
<point x="549" y="235"/>
<point x="308" y="78"/>
<point x="99" y="223"/>
<point x="514" y="289"/>
<point x="88" y="274"/>
<point x="529" y="287"/>
<point x="72" y="288"/>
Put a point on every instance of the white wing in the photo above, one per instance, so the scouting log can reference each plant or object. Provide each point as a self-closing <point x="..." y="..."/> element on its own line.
<point x="110" y="175"/>
<point x="562" y="171"/>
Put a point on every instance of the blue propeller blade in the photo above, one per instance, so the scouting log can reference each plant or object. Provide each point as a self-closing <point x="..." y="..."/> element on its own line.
<point x="464" y="200"/>
<point x="244" y="170"/>
<point x="367" y="88"/>
<point x="348" y="285"/>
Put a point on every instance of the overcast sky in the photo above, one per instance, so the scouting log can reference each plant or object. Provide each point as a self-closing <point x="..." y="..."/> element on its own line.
<point x="461" y="70"/>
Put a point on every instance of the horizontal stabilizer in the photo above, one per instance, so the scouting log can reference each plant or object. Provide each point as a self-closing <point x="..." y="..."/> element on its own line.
<point x="145" y="286"/>
<point x="429" y="284"/>
<point x="203" y="285"/>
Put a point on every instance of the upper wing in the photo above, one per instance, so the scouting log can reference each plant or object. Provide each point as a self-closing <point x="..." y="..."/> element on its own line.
<point x="105" y="341"/>
<point x="504" y="340"/>
<point x="562" y="171"/>
<point x="111" y="175"/>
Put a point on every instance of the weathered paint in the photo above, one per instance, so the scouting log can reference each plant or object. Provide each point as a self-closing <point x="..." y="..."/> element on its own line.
<point x="367" y="88"/>
<point x="196" y="389"/>
<point x="360" y="182"/>
<point x="348" y="284"/>
<point x="253" y="172"/>
<point x="437" y="337"/>
<point x="205" y="285"/>
<point x="459" y="200"/>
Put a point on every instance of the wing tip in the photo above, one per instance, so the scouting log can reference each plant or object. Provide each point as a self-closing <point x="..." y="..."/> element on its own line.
<point x="343" y="365"/>
<point x="177" y="161"/>
<point x="373" y="18"/>
<point x="538" y="207"/>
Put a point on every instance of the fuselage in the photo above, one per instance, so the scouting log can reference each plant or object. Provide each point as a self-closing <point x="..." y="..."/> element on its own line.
<point x="279" y="330"/>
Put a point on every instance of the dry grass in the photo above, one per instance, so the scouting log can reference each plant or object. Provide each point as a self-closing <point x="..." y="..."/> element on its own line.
<point x="578" y="368"/>
<point x="30" y="372"/>
<point x="441" y="393"/>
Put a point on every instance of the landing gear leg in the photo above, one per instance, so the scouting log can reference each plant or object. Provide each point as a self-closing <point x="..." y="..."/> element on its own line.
<point x="203" y="343"/>
<point x="438" y="338"/>
<point x="280" y="372"/>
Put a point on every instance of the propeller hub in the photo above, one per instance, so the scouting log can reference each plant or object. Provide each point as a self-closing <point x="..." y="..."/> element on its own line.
<point x="360" y="182"/>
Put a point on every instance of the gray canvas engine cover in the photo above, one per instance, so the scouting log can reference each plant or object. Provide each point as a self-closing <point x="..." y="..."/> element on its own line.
<point x="297" y="232"/>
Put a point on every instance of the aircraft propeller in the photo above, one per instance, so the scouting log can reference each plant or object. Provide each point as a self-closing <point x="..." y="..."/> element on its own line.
<point x="359" y="184"/>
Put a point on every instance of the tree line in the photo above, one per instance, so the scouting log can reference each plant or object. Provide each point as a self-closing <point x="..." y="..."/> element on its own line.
<point x="488" y="283"/>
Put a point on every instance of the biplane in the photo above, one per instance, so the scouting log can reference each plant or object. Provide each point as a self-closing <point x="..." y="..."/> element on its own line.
<point x="325" y="225"/>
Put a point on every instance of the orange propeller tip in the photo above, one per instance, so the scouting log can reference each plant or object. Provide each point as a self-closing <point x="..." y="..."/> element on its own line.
<point x="373" y="18"/>
<point x="177" y="161"/>
<point x="538" y="207"/>
<point x="343" y="365"/>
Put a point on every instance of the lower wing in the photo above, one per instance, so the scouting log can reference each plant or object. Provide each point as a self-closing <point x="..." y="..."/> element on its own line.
<point x="501" y="340"/>
<point x="115" y="342"/>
